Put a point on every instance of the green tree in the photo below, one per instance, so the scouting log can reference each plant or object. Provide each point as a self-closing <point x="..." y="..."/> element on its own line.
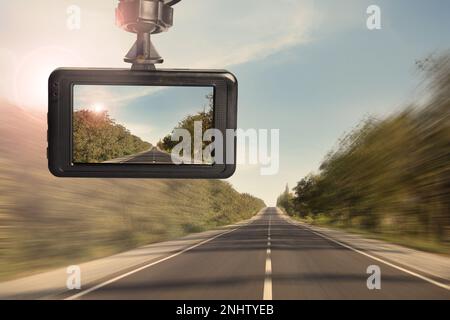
<point x="97" y="138"/>
<point x="285" y="201"/>
<point x="206" y="117"/>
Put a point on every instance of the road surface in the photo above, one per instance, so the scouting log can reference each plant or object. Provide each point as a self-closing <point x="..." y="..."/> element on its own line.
<point x="153" y="156"/>
<point x="268" y="258"/>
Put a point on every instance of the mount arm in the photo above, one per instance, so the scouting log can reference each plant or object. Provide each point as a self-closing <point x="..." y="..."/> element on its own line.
<point x="144" y="17"/>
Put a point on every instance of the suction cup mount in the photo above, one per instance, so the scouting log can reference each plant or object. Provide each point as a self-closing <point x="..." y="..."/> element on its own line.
<point x="144" y="17"/>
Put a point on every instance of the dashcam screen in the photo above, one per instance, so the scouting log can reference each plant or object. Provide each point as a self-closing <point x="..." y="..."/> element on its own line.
<point x="139" y="124"/>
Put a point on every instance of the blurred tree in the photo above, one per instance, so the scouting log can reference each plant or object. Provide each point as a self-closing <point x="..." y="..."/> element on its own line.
<point x="390" y="175"/>
<point x="285" y="201"/>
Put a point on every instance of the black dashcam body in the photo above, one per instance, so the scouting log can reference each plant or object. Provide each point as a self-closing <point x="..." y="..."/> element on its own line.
<point x="61" y="112"/>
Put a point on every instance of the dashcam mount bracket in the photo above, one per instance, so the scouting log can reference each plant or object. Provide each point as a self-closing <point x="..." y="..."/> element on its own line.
<point x="144" y="18"/>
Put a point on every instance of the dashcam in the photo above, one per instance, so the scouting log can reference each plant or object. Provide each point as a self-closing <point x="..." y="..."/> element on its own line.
<point x="142" y="122"/>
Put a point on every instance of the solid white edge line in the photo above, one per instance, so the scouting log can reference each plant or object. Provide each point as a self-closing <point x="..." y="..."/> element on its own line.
<point x="103" y="284"/>
<point x="436" y="283"/>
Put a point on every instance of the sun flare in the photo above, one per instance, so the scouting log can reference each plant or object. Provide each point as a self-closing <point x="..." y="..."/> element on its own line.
<point x="98" y="108"/>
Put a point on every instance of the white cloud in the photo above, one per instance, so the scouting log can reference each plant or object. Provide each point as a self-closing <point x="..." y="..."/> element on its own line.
<point x="223" y="33"/>
<point x="118" y="96"/>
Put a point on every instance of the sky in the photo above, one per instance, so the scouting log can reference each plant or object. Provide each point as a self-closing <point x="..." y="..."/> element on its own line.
<point x="150" y="113"/>
<point x="309" y="68"/>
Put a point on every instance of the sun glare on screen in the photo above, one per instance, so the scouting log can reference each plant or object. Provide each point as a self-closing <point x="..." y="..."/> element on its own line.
<point x="98" y="108"/>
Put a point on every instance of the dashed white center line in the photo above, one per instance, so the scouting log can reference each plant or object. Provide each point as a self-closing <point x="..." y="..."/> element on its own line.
<point x="268" y="272"/>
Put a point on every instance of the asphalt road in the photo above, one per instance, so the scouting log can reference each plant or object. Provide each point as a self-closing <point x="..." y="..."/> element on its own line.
<point x="152" y="156"/>
<point x="266" y="259"/>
